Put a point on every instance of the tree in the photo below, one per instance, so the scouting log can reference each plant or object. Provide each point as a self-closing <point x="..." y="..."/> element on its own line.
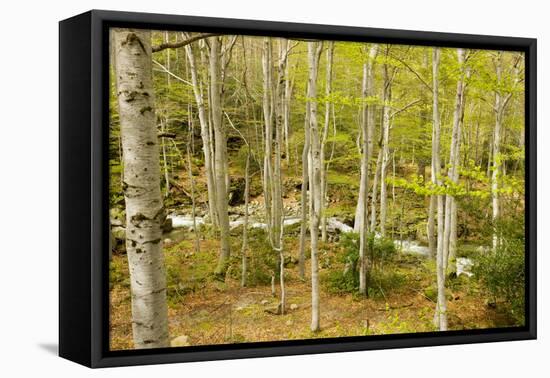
<point x="314" y="52"/>
<point x="449" y="236"/>
<point x="267" y="101"/>
<point x="220" y="153"/>
<point x="205" y="133"/>
<point x="367" y="128"/>
<point x="142" y="196"/>
<point x="388" y="75"/>
<point x="277" y="198"/>
<point x="440" y="317"/>
<point x="304" y="191"/>
<point x="445" y="236"/>
<point x="501" y="102"/>
<point x="328" y="90"/>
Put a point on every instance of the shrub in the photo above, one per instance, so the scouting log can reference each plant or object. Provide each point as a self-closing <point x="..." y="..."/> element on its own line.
<point x="502" y="270"/>
<point x="262" y="260"/>
<point x="379" y="281"/>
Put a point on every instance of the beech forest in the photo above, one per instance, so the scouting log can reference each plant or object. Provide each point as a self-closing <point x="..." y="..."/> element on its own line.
<point x="270" y="189"/>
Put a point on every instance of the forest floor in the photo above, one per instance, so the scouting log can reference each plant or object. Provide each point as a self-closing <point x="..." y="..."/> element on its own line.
<point x="208" y="311"/>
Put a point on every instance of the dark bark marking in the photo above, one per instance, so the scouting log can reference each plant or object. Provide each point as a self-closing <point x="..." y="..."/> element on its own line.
<point x="145" y="109"/>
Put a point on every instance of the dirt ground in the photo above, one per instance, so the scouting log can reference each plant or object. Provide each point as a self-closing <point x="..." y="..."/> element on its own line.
<point x="212" y="312"/>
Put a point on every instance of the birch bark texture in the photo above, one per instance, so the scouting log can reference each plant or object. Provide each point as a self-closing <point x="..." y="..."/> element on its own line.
<point x="205" y="133"/>
<point x="501" y="102"/>
<point x="328" y="105"/>
<point x="304" y="194"/>
<point x="141" y="186"/>
<point x="386" y="119"/>
<point x="440" y="316"/>
<point x="220" y="155"/>
<point x="367" y="126"/>
<point x="314" y="52"/>
<point x="449" y="235"/>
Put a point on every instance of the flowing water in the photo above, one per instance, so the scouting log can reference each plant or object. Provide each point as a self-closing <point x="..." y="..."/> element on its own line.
<point x="463" y="265"/>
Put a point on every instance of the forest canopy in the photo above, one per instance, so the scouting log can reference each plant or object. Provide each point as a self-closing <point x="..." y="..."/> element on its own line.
<point x="267" y="189"/>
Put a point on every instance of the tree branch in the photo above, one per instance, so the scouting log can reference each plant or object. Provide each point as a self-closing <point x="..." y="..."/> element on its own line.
<point x="404" y="108"/>
<point x="164" y="69"/>
<point x="413" y="71"/>
<point x="185" y="42"/>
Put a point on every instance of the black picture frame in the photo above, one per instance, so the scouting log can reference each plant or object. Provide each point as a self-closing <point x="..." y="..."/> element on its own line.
<point x="83" y="181"/>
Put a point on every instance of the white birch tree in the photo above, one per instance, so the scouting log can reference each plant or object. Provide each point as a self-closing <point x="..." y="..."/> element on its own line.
<point x="141" y="186"/>
<point x="220" y="155"/>
<point x="440" y="317"/>
<point x="367" y="128"/>
<point x="314" y="51"/>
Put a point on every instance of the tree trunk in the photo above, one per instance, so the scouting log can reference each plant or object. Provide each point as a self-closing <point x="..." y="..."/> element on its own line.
<point x="142" y="195"/>
<point x="164" y="160"/>
<point x="278" y="210"/>
<point x="245" y="225"/>
<point x="495" y="176"/>
<point x="268" y="134"/>
<point x="432" y="214"/>
<point x="328" y="89"/>
<point x="386" y="98"/>
<point x="192" y="180"/>
<point x="304" y="194"/>
<point x="454" y="159"/>
<point x="286" y="111"/>
<point x="314" y="51"/>
<point x="205" y="135"/>
<point x="440" y="317"/>
<point x="220" y="153"/>
<point x="366" y="130"/>
<point x="374" y="200"/>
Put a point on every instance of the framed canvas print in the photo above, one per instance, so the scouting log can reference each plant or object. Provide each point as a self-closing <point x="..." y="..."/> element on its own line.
<point x="234" y="188"/>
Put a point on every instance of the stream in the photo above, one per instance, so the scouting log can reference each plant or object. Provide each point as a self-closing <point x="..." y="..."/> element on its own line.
<point x="334" y="225"/>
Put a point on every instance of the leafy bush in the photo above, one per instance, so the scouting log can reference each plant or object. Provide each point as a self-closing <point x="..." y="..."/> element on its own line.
<point x="262" y="260"/>
<point x="379" y="281"/>
<point x="502" y="270"/>
<point x="381" y="249"/>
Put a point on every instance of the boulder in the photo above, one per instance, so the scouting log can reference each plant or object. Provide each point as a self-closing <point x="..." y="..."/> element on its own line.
<point x="180" y="341"/>
<point x="293" y="306"/>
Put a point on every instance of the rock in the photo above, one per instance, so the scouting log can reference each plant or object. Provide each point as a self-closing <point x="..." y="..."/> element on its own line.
<point x="167" y="241"/>
<point x="274" y="310"/>
<point x="464" y="266"/>
<point x="334" y="225"/>
<point x="184" y="221"/>
<point x="180" y="341"/>
<point x="293" y="306"/>
<point x="264" y="302"/>
<point x="167" y="225"/>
